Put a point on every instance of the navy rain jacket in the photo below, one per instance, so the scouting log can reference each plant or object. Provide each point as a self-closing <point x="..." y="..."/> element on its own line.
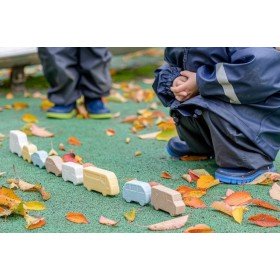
<point x="241" y="85"/>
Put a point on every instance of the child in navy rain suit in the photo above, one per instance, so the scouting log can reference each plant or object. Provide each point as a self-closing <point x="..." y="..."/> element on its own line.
<point x="225" y="103"/>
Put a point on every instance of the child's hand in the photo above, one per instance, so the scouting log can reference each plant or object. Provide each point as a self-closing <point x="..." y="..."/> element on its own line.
<point x="185" y="89"/>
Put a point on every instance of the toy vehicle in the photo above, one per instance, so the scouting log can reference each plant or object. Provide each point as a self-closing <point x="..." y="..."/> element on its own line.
<point x="54" y="165"/>
<point x="27" y="152"/>
<point x="39" y="158"/>
<point x="72" y="172"/>
<point x="167" y="200"/>
<point x="101" y="180"/>
<point x="17" y="140"/>
<point x="137" y="191"/>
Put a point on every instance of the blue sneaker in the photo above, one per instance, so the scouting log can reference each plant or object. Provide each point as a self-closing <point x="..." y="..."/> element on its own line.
<point x="96" y="109"/>
<point x="239" y="176"/>
<point x="177" y="148"/>
<point x="62" y="111"/>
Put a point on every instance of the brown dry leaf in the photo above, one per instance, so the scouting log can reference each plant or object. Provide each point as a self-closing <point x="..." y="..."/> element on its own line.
<point x="165" y="175"/>
<point x="267" y="178"/>
<point x="148" y="95"/>
<point x="20" y="106"/>
<point x="274" y="192"/>
<point x="152" y="135"/>
<point x="29" y="118"/>
<point x="264" y="220"/>
<point x="34" y="222"/>
<point x="46" y="105"/>
<point x="264" y="204"/>
<point x="137" y="153"/>
<point x="193" y="158"/>
<point x="175" y="223"/>
<point x="238" y="198"/>
<point x="199" y="228"/>
<point x="206" y="181"/>
<point x="5" y="212"/>
<point x="110" y="132"/>
<point x="25" y="186"/>
<point x="194" y="202"/>
<point x="76" y="217"/>
<point x="9" y="96"/>
<point x="130" y="215"/>
<point x="40" y="131"/>
<point x="74" y="141"/>
<point x="105" y="221"/>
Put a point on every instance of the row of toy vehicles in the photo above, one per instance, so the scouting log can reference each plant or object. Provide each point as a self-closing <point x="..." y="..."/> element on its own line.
<point x="97" y="179"/>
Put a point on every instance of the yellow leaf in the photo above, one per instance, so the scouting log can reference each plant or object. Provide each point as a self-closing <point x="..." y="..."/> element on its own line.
<point x="20" y="106"/>
<point x="46" y="105"/>
<point x="237" y="214"/>
<point x="166" y="135"/>
<point x="130" y="215"/>
<point x="206" y="181"/>
<point x="34" y="206"/>
<point x="29" y="118"/>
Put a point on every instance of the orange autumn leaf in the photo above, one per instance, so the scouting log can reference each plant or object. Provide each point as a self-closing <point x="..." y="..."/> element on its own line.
<point x="167" y="125"/>
<point x="264" y="220"/>
<point x="29" y="118"/>
<point x="110" y="132"/>
<point x="238" y="198"/>
<point x="74" y="141"/>
<point x="193" y="158"/>
<point x="188" y="191"/>
<point x="20" y="106"/>
<point x="206" y="181"/>
<point x="34" y="222"/>
<point x="222" y="207"/>
<point x="184" y="189"/>
<point x="165" y="175"/>
<point x="129" y="119"/>
<point x="194" y="202"/>
<point x="264" y="204"/>
<point x="76" y="217"/>
<point x="199" y="228"/>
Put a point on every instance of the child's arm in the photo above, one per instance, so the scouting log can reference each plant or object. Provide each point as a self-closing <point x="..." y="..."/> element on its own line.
<point x="252" y="76"/>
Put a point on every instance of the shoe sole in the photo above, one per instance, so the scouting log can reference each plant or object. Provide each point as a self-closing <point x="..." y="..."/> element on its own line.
<point x="62" y="116"/>
<point x="241" y="180"/>
<point x="100" y="116"/>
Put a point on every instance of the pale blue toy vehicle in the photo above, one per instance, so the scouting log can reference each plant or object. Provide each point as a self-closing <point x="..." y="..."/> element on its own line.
<point x="39" y="158"/>
<point x="137" y="191"/>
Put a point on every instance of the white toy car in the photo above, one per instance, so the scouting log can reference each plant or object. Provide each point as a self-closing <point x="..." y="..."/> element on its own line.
<point x="18" y="139"/>
<point x="72" y="172"/>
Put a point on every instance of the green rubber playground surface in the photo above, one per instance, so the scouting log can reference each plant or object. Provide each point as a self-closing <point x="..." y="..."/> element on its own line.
<point x="111" y="153"/>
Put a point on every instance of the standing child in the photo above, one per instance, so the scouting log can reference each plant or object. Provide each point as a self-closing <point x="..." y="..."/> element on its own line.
<point x="73" y="72"/>
<point x="226" y="103"/>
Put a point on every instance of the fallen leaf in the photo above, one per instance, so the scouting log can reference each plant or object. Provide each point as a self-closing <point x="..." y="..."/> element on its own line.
<point x="264" y="204"/>
<point x="20" y="106"/>
<point x="70" y="157"/>
<point x="46" y="104"/>
<point x="137" y="153"/>
<point x="34" y="222"/>
<point x="9" y="96"/>
<point x="105" y="221"/>
<point x="5" y="212"/>
<point x="222" y="207"/>
<point x="29" y="118"/>
<point x="166" y="135"/>
<point x="76" y="217"/>
<point x="193" y="158"/>
<point x="274" y="192"/>
<point x="184" y="189"/>
<point x="165" y="175"/>
<point x="206" y="181"/>
<point x="38" y="95"/>
<point x="10" y="193"/>
<point x="267" y="178"/>
<point x="196" y="173"/>
<point x="82" y="111"/>
<point x="237" y="214"/>
<point x="264" y="220"/>
<point x="130" y="215"/>
<point x="34" y="206"/>
<point x="194" y="202"/>
<point x="148" y="95"/>
<point x="110" y="132"/>
<point x="152" y="135"/>
<point x="74" y="141"/>
<point x="40" y="131"/>
<point x="25" y="186"/>
<point x="187" y="177"/>
<point x="129" y="119"/>
<point x="115" y="96"/>
<point x="238" y="198"/>
<point x="53" y="152"/>
<point x="61" y="147"/>
<point x="229" y="192"/>
<point x="127" y="140"/>
<point x="199" y="228"/>
<point x="175" y="223"/>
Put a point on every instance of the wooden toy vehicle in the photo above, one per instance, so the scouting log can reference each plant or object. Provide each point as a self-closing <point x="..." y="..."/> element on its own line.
<point x="27" y="152"/>
<point x="137" y="191"/>
<point x="101" y="180"/>
<point x="72" y="172"/>
<point x="39" y="158"/>
<point x="54" y="165"/>
<point x="168" y="200"/>
<point x="17" y="140"/>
